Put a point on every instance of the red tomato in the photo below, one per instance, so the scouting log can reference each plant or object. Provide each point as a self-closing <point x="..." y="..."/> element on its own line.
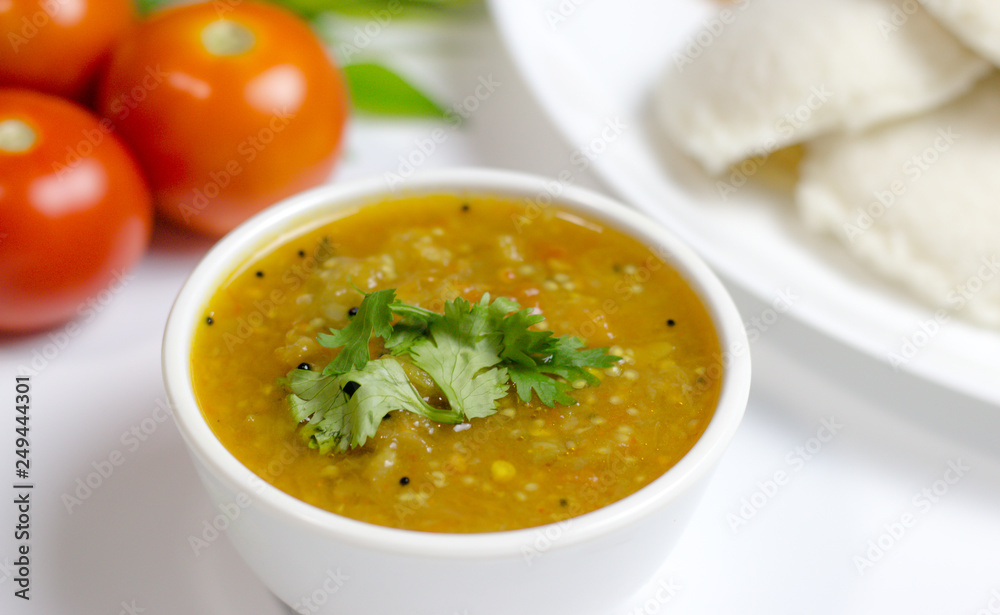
<point x="59" y="46"/>
<point x="228" y="106"/>
<point x="75" y="213"/>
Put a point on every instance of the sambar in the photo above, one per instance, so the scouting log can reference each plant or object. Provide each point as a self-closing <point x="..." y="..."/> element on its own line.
<point x="524" y="466"/>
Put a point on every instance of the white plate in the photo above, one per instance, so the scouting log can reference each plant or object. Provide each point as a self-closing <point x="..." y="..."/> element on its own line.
<point x="593" y="65"/>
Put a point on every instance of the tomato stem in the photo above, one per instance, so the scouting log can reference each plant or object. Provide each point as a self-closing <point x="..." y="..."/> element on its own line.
<point x="227" y="38"/>
<point x="16" y="137"/>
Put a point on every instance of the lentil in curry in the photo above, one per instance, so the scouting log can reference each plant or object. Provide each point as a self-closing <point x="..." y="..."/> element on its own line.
<point x="527" y="464"/>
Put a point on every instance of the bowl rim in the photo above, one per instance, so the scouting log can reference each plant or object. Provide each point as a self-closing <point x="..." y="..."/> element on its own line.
<point x="233" y="249"/>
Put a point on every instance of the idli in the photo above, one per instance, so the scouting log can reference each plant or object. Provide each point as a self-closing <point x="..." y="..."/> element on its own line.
<point x="975" y="22"/>
<point x="918" y="201"/>
<point x="765" y="74"/>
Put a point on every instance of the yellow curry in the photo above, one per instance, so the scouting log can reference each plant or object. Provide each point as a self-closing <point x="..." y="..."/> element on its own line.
<point x="525" y="465"/>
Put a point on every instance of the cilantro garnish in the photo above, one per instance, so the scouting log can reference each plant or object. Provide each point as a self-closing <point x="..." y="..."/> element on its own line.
<point x="374" y="317"/>
<point x="473" y="352"/>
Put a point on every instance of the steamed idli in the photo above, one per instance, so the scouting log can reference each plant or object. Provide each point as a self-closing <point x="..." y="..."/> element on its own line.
<point x="975" y="22"/>
<point x="918" y="201"/>
<point x="771" y="73"/>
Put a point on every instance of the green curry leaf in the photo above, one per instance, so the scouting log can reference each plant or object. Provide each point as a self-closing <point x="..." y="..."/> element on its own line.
<point x="366" y="8"/>
<point x="377" y="90"/>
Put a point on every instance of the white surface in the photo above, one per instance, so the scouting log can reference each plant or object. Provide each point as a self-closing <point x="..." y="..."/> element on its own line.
<point x="128" y="542"/>
<point x="595" y="62"/>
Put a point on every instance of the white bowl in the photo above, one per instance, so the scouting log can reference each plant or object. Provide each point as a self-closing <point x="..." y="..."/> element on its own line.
<point x="319" y="562"/>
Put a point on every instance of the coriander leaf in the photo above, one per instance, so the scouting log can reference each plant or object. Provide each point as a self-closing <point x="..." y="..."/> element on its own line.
<point x="456" y="368"/>
<point x="404" y="335"/>
<point x="472" y="352"/>
<point x="310" y="391"/>
<point x="339" y="419"/>
<point x="373" y="317"/>
<point x="466" y="321"/>
<point x="530" y="380"/>
<point x="413" y="313"/>
<point x="460" y="356"/>
<point x="519" y="341"/>
<point x="568" y="361"/>
<point x="412" y="326"/>
<point x="501" y="306"/>
<point x="565" y="360"/>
